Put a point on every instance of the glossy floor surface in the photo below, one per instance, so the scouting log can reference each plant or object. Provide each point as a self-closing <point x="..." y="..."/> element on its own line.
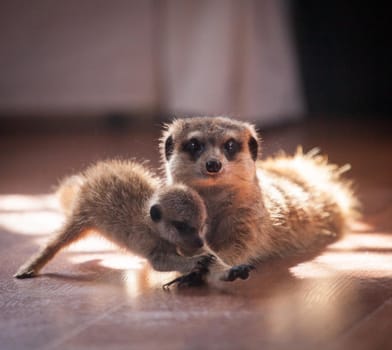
<point x="93" y="296"/>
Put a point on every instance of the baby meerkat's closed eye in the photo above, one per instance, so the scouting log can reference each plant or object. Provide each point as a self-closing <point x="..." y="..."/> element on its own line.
<point x="183" y="228"/>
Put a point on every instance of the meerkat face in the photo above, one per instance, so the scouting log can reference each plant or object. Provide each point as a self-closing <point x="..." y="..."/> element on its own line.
<point x="180" y="217"/>
<point x="209" y="150"/>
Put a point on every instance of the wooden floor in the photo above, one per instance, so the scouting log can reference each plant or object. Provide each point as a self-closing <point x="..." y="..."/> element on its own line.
<point x="93" y="296"/>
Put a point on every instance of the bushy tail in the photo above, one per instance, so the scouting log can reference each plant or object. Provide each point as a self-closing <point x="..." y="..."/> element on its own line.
<point x="341" y="187"/>
<point x="68" y="192"/>
<point x="313" y="171"/>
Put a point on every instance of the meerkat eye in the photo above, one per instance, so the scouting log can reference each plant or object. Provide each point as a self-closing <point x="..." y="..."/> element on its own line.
<point x="194" y="147"/>
<point x="231" y="147"/>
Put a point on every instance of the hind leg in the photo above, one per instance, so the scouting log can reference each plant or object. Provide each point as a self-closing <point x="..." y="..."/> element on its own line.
<point x="71" y="232"/>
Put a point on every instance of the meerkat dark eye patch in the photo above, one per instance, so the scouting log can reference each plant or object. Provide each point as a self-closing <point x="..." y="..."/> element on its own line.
<point x="155" y="213"/>
<point x="169" y="147"/>
<point x="253" y="148"/>
<point x="183" y="227"/>
<point x="193" y="147"/>
<point x="231" y="148"/>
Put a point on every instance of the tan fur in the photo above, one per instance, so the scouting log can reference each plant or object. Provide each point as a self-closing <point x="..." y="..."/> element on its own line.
<point x="257" y="210"/>
<point x="67" y="192"/>
<point x="121" y="200"/>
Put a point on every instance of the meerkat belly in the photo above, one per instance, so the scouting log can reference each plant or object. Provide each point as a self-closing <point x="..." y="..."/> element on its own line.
<point x="233" y="224"/>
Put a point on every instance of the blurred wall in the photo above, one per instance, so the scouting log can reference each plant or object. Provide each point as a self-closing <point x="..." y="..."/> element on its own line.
<point x="76" y="55"/>
<point x="171" y="56"/>
<point x="232" y="57"/>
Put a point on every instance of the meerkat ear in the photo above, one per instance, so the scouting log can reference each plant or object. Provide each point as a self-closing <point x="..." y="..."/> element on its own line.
<point x="169" y="147"/>
<point x="156" y="213"/>
<point x="253" y="147"/>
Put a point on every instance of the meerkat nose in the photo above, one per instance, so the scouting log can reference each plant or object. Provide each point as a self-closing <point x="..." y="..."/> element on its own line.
<point x="213" y="166"/>
<point x="198" y="243"/>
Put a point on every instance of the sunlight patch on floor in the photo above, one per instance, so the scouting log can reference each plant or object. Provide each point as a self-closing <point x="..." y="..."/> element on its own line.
<point x="30" y="214"/>
<point x="312" y="306"/>
<point x="112" y="259"/>
<point x="365" y="242"/>
<point x="361" y="255"/>
<point x="19" y="202"/>
<point x="37" y="222"/>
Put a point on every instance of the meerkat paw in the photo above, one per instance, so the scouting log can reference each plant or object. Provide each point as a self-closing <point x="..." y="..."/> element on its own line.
<point x="197" y="276"/>
<point x="192" y="279"/>
<point x="239" y="271"/>
<point x="204" y="263"/>
<point x="24" y="273"/>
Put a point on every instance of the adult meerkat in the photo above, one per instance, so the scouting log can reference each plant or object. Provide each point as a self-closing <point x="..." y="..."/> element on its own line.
<point x="125" y="203"/>
<point x="256" y="209"/>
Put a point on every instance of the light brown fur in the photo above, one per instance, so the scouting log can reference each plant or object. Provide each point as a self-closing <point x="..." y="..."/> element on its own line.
<point x="124" y="202"/>
<point x="261" y="209"/>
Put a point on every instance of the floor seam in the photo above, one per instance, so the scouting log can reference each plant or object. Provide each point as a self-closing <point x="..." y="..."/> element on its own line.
<point x="357" y="324"/>
<point x="58" y="342"/>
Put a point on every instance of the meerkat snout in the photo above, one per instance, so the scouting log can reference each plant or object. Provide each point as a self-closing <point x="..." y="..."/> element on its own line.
<point x="213" y="166"/>
<point x="189" y="240"/>
<point x="193" y="247"/>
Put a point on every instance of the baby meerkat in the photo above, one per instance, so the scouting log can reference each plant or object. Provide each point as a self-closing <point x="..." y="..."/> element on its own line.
<point x="125" y="203"/>
<point x="256" y="209"/>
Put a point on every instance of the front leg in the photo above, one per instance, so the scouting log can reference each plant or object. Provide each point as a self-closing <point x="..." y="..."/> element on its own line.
<point x="239" y="271"/>
<point x="209" y="269"/>
<point x="166" y="258"/>
<point x="197" y="276"/>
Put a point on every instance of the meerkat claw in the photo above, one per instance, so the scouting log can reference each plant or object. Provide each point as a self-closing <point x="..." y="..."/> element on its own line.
<point x="196" y="277"/>
<point x="25" y="274"/>
<point x="192" y="279"/>
<point x="205" y="262"/>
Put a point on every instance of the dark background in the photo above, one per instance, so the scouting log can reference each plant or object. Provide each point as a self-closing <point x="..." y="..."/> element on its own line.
<point x="345" y="57"/>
